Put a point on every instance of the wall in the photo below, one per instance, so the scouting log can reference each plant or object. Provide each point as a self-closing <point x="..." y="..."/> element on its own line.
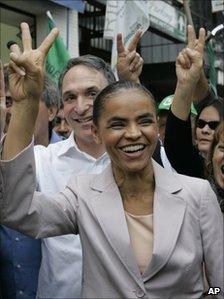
<point x="66" y="20"/>
<point x="67" y="23"/>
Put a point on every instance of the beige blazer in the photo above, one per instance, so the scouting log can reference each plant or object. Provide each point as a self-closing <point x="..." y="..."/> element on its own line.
<point x="188" y="228"/>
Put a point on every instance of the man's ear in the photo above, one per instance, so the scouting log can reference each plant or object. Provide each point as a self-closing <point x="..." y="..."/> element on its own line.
<point x="96" y="135"/>
<point x="52" y="111"/>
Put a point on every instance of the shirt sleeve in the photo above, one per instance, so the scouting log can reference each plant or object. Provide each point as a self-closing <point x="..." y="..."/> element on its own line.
<point x="181" y="153"/>
<point x="30" y="212"/>
<point x="211" y="223"/>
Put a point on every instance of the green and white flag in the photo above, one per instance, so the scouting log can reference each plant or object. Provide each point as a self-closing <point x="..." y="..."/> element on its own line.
<point x="58" y="55"/>
<point x="211" y="60"/>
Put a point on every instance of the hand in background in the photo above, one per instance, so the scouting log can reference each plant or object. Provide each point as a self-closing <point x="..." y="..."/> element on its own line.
<point x="26" y="69"/>
<point x="129" y="62"/>
<point x="189" y="63"/>
<point x="189" y="66"/>
<point x="2" y="100"/>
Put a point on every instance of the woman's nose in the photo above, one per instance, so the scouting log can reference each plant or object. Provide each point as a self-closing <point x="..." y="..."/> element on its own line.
<point x="133" y="132"/>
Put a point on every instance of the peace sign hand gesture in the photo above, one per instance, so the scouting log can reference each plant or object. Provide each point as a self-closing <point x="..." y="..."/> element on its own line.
<point x="189" y="66"/>
<point x="129" y="62"/>
<point x="189" y="63"/>
<point x="26" y="70"/>
<point x="26" y="77"/>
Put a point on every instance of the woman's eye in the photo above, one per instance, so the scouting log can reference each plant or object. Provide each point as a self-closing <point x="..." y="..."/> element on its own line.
<point x="146" y="121"/>
<point x="117" y="125"/>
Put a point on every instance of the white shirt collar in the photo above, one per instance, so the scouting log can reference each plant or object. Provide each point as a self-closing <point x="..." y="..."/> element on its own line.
<point x="67" y="144"/>
<point x="70" y="143"/>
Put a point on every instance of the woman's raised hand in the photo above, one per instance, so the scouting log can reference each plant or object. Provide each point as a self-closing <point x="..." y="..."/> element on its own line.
<point x="26" y="69"/>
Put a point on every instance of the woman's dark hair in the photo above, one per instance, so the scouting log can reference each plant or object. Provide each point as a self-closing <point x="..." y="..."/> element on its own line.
<point x="218" y="135"/>
<point x="218" y="104"/>
<point x="100" y="99"/>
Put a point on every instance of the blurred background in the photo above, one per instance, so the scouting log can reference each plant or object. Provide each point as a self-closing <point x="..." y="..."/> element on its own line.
<point x="81" y="25"/>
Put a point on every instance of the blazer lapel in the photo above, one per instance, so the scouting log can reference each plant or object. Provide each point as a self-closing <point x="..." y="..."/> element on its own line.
<point x="108" y="208"/>
<point x="169" y="210"/>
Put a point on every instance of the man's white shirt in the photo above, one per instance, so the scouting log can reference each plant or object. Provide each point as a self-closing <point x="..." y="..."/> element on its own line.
<point x="61" y="268"/>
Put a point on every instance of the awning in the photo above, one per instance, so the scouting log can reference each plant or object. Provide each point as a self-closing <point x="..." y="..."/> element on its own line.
<point x="72" y="4"/>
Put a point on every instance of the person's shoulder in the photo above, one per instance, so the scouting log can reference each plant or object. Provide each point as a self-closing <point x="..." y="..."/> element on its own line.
<point x="194" y="190"/>
<point x="190" y="182"/>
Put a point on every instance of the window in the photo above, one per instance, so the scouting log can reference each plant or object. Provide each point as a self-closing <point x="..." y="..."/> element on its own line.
<point x="10" y="19"/>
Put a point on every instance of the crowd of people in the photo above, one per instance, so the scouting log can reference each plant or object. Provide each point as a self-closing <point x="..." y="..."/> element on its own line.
<point x="102" y="195"/>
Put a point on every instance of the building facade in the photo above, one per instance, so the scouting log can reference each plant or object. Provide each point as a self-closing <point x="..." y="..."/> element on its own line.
<point x="13" y="12"/>
<point x="82" y="25"/>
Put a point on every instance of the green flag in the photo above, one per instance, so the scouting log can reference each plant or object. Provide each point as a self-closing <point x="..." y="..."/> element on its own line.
<point x="58" y="56"/>
<point x="211" y="60"/>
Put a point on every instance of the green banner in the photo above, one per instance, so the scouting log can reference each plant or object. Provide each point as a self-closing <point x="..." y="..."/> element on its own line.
<point x="57" y="57"/>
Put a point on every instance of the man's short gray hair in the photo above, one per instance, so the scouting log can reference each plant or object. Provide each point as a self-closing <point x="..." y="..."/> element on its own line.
<point x="90" y="61"/>
<point x="50" y="93"/>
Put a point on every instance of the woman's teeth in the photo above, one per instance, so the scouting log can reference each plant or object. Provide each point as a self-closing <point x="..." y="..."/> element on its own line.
<point x="133" y="148"/>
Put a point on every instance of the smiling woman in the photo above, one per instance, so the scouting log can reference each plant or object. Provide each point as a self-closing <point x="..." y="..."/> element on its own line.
<point x="144" y="231"/>
<point x="129" y="135"/>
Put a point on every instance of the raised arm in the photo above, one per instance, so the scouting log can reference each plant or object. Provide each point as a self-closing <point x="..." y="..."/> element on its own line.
<point x="180" y="151"/>
<point x="189" y="65"/>
<point x="26" y="76"/>
<point x="129" y="62"/>
<point x="2" y="101"/>
<point x="201" y="89"/>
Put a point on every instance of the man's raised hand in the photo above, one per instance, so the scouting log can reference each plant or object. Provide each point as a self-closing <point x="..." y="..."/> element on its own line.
<point x="129" y="62"/>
